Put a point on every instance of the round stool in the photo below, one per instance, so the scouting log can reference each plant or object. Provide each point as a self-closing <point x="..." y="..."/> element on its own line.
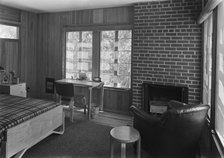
<point x="125" y="134"/>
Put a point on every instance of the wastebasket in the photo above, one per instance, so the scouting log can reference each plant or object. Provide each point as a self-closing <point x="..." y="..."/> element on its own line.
<point x="95" y="110"/>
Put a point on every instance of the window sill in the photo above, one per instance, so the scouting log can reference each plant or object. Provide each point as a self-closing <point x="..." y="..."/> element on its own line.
<point x="218" y="144"/>
<point x="117" y="89"/>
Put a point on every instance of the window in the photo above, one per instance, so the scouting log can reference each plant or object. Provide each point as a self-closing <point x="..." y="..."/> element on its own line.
<point x="219" y="97"/>
<point x="115" y="58"/>
<point x="78" y="54"/>
<point x="213" y="72"/>
<point x="100" y="53"/>
<point x="9" y="32"/>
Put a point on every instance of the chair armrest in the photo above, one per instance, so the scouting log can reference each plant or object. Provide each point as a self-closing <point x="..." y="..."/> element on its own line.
<point x="144" y="115"/>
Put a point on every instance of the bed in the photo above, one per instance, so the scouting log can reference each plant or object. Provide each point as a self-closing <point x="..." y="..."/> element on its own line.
<point x="26" y="121"/>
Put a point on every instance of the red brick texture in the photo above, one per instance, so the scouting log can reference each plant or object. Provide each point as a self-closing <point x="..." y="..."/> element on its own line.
<point x="167" y="45"/>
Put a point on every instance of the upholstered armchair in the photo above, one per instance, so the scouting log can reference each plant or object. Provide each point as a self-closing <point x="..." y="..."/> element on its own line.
<point x="175" y="133"/>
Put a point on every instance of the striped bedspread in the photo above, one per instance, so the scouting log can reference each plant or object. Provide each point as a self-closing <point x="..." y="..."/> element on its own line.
<point x="14" y="110"/>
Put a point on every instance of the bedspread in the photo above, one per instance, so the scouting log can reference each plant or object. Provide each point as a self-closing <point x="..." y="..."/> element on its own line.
<point x="15" y="110"/>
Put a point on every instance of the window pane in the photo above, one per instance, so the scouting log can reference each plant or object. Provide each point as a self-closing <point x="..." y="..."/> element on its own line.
<point x="108" y="35"/>
<point x="124" y="81"/>
<point x="107" y="68"/>
<point x="115" y="58"/>
<point x="124" y="57"/>
<point x="207" y="71"/>
<point x="124" y="69"/>
<point x="108" y="41"/>
<point x="124" y="34"/>
<point x="7" y="31"/>
<point x="219" y="107"/>
<point x="87" y="39"/>
<point x="79" y="54"/>
<point x="124" y="44"/>
<point x="108" y="79"/>
<point x="107" y="56"/>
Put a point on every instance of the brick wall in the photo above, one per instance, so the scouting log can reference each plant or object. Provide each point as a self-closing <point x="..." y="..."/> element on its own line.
<point x="167" y="46"/>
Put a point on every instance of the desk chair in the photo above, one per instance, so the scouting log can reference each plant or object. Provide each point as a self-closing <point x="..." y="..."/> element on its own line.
<point x="67" y="96"/>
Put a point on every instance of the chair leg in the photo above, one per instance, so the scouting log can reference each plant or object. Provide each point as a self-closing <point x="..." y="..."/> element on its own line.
<point x="84" y="104"/>
<point x="71" y="110"/>
<point x="135" y="147"/>
<point x="139" y="148"/>
<point x="84" y="110"/>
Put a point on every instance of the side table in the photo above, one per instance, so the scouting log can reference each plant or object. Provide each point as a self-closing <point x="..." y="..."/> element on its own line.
<point x="124" y="135"/>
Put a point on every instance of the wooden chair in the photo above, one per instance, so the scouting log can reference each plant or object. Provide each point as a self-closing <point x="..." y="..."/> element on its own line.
<point x="67" y="96"/>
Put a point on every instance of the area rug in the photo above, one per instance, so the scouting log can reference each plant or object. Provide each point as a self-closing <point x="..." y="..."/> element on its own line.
<point x="82" y="139"/>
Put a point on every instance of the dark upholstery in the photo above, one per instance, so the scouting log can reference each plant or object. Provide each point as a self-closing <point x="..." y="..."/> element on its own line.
<point x="65" y="89"/>
<point x="173" y="134"/>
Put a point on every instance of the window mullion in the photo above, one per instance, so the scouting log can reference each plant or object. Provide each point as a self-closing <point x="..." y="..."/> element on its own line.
<point x="96" y="54"/>
<point x="116" y="59"/>
<point x="213" y="87"/>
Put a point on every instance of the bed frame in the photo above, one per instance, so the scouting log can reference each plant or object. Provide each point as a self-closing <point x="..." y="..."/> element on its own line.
<point x="23" y="136"/>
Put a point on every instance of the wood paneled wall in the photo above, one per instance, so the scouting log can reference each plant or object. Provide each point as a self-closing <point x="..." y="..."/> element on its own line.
<point x="11" y="55"/>
<point x="9" y="48"/>
<point x="50" y="28"/>
<point x="28" y="54"/>
<point x="20" y="55"/>
<point x="9" y="52"/>
<point x="9" y="15"/>
<point x="117" y="101"/>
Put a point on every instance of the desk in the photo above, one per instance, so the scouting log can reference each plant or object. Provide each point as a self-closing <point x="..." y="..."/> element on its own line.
<point x="90" y="85"/>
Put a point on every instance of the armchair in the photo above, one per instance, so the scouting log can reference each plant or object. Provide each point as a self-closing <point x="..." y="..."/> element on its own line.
<point x="175" y="133"/>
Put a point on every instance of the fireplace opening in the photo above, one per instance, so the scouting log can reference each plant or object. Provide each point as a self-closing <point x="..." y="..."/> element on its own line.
<point x="156" y="97"/>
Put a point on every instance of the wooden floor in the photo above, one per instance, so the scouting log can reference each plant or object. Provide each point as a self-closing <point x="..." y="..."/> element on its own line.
<point x="112" y="119"/>
<point x="106" y="118"/>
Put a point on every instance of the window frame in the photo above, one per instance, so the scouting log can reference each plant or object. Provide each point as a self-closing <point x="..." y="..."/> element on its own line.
<point x="206" y="63"/>
<point x="217" y="140"/>
<point x="96" y="46"/>
<point x="214" y="52"/>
